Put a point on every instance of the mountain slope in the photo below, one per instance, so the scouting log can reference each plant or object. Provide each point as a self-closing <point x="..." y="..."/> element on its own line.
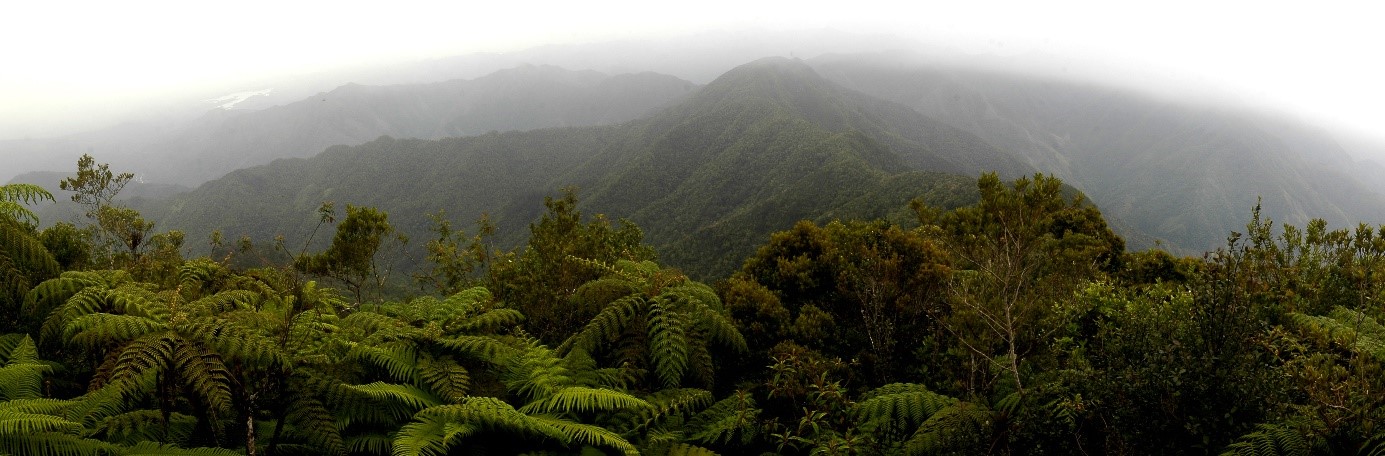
<point x="221" y="141"/>
<point x="1184" y="173"/>
<point x="758" y="149"/>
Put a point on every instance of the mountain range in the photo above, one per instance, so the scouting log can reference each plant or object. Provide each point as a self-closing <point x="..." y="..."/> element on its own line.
<point x="221" y="141"/>
<point x="765" y="145"/>
<point x="1183" y="173"/>
<point x="716" y="168"/>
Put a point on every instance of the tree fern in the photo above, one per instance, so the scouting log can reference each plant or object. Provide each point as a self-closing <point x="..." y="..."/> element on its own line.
<point x="678" y="402"/>
<point x="54" y="444"/>
<point x="21" y="372"/>
<point x="734" y="420"/>
<point x="894" y="411"/>
<point x="156" y="449"/>
<point x="588" y="434"/>
<point x="52" y="293"/>
<point x="24" y="262"/>
<point x="234" y="341"/>
<point x="581" y="399"/>
<point x="1270" y="440"/>
<point x="960" y="428"/>
<point x="94" y="331"/>
<point x="679" y="317"/>
<point x="399" y="397"/>
<point x="399" y="359"/>
<point x="435" y="430"/>
<point x="1350" y="329"/>
<point x="312" y="423"/>
<point x="607" y="325"/>
<point x="144" y="425"/>
<point x="14" y="197"/>
<point x="668" y="341"/>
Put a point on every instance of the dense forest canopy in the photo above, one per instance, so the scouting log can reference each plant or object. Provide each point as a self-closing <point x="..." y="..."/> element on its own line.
<point x="1017" y="322"/>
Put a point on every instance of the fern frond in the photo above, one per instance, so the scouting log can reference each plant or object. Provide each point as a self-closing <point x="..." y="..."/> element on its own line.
<point x="54" y="444"/>
<point x="157" y="449"/>
<point x="1269" y="439"/>
<point x="312" y="423"/>
<point x="372" y="443"/>
<point x="236" y="342"/>
<point x="144" y="425"/>
<point x="22" y="381"/>
<point x="957" y="428"/>
<point x="537" y="373"/>
<point x="199" y="273"/>
<point x="1350" y="329"/>
<point x="668" y="340"/>
<point x="18" y="349"/>
<point x="378" y="327"/>
<point x="52" y="293"/>
<point x="204" y="373"/>
<point x="399" y="359"/>
<point x="895" y="410"/>
<point x="24" y="194"/>
<point x="126" y="300"/>
<point x="489" y="322"/>
<point x="678" y="402"/>
<point x="445" y="377"/>
<point x="110" y="399"/>
<point x="410" y="397"/>
<point x="683" y="449"/>
<point x="37" y="406"/>
<point x="584" y="400"/>
<point x="152" y="353"/>
<point x="607" y="325"/>
<point x="588" y="434"/>
<point x="14" y="422"/>
<point x="734" y="419"/>
<point x="436" y="429"/>
<point x="94" y="331"/>
<point x="225" y="301"/>
<point x="27" y="256"/>
<point x="481" y="348"/>
<point x="720" y="328"/>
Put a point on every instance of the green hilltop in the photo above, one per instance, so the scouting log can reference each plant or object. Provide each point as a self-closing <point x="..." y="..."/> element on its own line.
<point x="767" y="144"/>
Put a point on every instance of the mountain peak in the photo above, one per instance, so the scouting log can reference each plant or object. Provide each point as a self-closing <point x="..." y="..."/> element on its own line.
<point x="779" y="79"/>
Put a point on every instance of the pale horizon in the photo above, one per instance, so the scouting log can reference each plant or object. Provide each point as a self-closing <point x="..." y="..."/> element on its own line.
<point x="74" y="67"/>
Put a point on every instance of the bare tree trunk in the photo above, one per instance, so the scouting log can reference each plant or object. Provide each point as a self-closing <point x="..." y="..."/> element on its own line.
<point x="250" y="425"/>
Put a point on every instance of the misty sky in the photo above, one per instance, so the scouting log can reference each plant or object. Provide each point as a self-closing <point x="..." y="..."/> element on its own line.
<point x="65" y="60"/>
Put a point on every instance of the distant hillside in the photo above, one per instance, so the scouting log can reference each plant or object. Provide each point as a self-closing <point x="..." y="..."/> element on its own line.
<point x="64" y="210"/>
<point x="765" y="145"/>
<point x="221" y="141"/>
<point x="1185" y="174"/>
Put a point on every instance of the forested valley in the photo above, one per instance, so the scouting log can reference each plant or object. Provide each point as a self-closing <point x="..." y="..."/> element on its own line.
<point x="1014" y="323"/>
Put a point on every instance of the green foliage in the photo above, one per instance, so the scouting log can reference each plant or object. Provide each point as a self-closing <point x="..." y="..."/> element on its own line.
<point x="894" y="411"/>
<point x="731" y="421"/>
<point x="1269" y="440"/>
<point x="24" y="263"/>
<point x="94" y="186"/>
<point x="456" y="260"/>
<point x="674" y="320"/>
<point x="541" y="278"/>
<point x="868" y="291"/>
<point x="1014" y="325"/>
<point x="14" y="198"/>
<point x="351" y="259"/>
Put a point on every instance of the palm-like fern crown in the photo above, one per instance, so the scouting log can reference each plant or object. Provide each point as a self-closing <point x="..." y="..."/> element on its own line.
<point x="560" y="396"/>
<point x="675" y="317"/>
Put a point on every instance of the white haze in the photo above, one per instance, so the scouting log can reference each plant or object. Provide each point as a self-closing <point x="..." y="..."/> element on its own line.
<point x="70" y="66"/>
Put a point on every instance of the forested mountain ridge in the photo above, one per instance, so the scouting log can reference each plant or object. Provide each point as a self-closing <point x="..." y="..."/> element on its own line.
<point x="1179" y="171"/>
<point x="521" y="98"/>
<point x="766" y="145"/>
